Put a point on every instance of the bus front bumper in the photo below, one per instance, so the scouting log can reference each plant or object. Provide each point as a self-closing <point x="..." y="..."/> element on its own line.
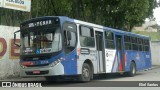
<point x="42" y="71"/>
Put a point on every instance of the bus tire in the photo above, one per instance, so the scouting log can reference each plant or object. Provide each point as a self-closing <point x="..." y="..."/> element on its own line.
<point x="86" y="73"/>
<point x="132" y="71"/>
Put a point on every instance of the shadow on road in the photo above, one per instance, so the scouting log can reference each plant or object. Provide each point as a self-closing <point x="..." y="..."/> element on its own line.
<point x="96" y="81"/>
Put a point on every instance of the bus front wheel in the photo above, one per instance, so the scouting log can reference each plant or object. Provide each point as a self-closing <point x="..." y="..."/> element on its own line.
<point x="86" y="73"/>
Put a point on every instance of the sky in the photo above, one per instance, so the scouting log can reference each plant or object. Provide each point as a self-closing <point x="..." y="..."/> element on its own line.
<point x="157" y="14"/>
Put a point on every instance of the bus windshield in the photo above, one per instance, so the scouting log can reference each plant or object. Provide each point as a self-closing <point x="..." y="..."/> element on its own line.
<point x="40" y="41"/>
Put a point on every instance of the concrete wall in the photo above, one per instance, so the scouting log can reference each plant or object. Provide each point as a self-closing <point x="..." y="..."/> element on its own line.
<point x="9" y="53"/>
<point x="155" y="51"/>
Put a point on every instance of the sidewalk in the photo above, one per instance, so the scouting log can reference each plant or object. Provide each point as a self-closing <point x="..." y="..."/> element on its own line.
<point x="24" y="79"/>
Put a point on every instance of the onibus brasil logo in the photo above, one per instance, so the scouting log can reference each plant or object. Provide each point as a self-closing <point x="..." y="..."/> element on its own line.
<point x="19" y="84"/>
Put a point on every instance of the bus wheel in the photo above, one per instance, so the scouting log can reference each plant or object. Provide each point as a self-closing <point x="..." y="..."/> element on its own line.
<point x="86" y="73"/>
<point x="132" y="71"/>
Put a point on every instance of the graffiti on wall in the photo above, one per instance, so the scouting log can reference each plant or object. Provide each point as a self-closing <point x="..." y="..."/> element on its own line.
<point x="13" y="52"/>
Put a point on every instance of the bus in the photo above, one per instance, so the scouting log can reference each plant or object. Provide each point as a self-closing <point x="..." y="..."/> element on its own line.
<point x="59" y="46"/>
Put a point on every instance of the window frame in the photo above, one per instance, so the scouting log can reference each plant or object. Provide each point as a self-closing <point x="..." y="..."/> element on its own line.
<point x="75" y="31"/>
<point x="146" y="43"/>
<point x="109" y="40"/>
<point x="92" y="33"/>
<point x="128" y="41"/>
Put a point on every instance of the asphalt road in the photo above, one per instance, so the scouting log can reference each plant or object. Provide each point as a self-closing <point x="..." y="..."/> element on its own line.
<point x="115" y="80"/>
<point x="109" y="80"/>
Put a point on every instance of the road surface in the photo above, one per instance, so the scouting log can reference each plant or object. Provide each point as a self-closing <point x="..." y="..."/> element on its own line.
<point x="109" y="80"/>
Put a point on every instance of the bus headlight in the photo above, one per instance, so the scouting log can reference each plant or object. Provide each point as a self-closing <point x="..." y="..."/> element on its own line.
<point x="55" y="62"/>
<point x="23" y="66"/>
<point x="26" y="63"/>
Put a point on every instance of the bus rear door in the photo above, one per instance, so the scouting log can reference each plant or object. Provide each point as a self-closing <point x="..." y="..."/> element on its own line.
<point x="100" y="51"/>
<point x="120" y="52"/>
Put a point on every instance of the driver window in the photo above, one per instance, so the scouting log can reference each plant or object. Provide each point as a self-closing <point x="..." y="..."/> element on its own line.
<point x="70" y="39"/>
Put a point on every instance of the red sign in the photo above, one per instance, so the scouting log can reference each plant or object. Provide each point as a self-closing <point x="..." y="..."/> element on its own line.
<point x="13" y="49"/>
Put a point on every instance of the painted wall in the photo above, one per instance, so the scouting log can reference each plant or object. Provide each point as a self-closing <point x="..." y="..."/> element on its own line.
<point x="9" y="53"/>
<point x="155" y="51"/>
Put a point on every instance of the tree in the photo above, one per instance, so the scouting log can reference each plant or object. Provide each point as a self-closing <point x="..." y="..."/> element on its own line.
<point x="121" y="14"/>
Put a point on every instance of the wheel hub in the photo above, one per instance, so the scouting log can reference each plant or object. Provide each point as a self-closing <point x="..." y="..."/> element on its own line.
<point x="85" y="72"/>
<point x="133" y="70"/>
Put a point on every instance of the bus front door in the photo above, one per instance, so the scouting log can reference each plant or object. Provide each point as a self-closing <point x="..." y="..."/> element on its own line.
<point x="100" y="51"/>
<point x="120" y="53"/>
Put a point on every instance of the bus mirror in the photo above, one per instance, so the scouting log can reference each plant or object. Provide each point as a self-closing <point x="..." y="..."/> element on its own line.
<point x="15" y="38"/>
<point x="69" y="35"/>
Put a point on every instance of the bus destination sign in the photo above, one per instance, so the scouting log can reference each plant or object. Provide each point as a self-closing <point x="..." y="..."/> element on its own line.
<point x="40" y="23"/>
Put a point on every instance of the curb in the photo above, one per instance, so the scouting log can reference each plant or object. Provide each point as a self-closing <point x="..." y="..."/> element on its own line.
<point x="155" y="66"/>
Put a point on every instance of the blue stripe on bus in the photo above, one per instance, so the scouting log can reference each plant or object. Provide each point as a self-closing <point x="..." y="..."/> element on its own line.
<point x="70" y="63"/>
<point x="48" y="61"/>
<point x="141" y="59"/>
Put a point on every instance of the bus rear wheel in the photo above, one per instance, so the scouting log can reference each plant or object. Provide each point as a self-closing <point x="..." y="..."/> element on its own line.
<point x="132" y="71"/>
<point x="86" y="73"/>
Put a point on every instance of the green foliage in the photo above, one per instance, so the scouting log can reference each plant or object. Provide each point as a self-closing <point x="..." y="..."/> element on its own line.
<point x="121" y="14"/>
<point x="155" y="36"/>
<point x="12" y="17"/>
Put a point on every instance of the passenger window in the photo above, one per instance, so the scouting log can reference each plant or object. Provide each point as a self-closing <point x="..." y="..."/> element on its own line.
<point x="109" y="40"/>
<point x="127" y="40"/>
<point x="146" y="45"/>
<point x="87" y="37"/>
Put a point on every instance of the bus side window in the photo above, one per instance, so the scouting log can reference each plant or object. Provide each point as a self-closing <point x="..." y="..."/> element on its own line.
<point x="65" y="38"/>
<point x="127" y="40"/>
<point x="86" y="36"/>
<point x="109" y="40"/>
<point x="70" y="39"/>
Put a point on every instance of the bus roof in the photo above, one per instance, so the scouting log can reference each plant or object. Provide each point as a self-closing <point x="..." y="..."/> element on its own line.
<point x="65" y="18"/>
<point x="110" y="29"/>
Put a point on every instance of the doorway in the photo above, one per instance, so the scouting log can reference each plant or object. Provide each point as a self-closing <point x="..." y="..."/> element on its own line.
<point x="120" y="52"/>
<point x="100" y="51"/>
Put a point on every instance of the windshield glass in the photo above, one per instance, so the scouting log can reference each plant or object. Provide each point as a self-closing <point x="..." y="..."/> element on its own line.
<point x="41" y="41"/>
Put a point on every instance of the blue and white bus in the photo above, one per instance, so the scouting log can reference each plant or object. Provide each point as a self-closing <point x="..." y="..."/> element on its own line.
<point x="56" y="46"/>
